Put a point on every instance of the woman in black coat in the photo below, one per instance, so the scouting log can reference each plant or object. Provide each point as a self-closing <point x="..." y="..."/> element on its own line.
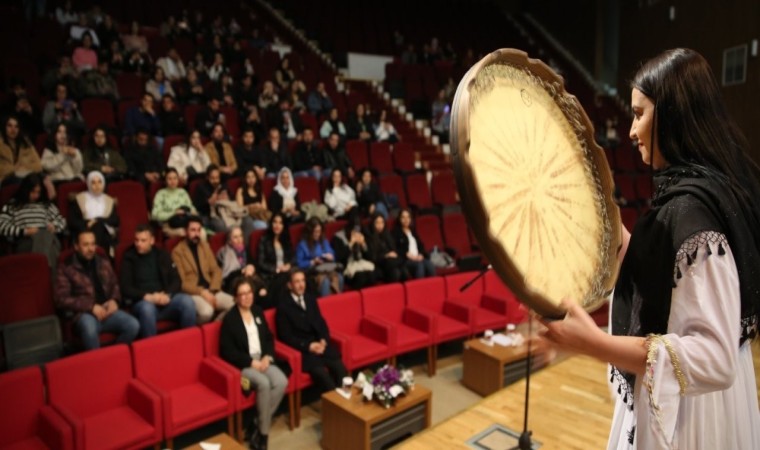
<point x="275" y="257"/>
<point x="410" y="248"/>
<point x="382" y="251"/>
<point x="246" y="342"/>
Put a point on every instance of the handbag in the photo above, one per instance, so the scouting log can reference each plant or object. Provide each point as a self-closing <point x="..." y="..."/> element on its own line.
<point x="327" y="267"/>
<point x="230" y="212"/>
<point x="358" y="265"/>
<point x="258" y="212"/>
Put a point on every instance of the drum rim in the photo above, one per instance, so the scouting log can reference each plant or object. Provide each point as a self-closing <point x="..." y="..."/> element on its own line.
<point x="472" y="203"/>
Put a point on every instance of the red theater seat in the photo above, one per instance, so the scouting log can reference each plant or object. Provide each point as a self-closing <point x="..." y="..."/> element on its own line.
<point x="361" y="340"/>
<point x="495" y="292"/>
<point x="132" y="207"/>
<point x="194" y="390"/>
<point x="414" y="330"/>
<point x="30" y="294"/>
<point x="491" y="314"/>
<point x="106" y="407"/>
<point x="428" y="296"/>
<point x="27" y="422"/>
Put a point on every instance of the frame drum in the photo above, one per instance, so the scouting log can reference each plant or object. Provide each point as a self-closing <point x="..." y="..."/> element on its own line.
<point x="535" y="187"/>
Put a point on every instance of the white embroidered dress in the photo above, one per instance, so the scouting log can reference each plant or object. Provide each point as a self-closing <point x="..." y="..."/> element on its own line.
<point x="718" y="408"/>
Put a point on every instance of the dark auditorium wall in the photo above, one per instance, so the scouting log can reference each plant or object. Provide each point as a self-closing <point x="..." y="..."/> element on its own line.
<point x="708" y="27"/>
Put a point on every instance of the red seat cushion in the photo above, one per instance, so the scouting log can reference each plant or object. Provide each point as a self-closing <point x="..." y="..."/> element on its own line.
<point x="408" y="338"/>
<point x="486" y="319"/>
<point x="102" y="430"/>
<point x="34" y="443"/>
<point x="448" y="328"/>
<point x="194" y="401"/>
<point x="365" y="351"/>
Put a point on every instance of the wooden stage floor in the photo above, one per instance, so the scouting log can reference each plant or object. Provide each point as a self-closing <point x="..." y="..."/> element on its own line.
<point x="570" y="408"/>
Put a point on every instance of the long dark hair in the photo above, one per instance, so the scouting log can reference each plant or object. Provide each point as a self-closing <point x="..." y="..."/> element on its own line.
<point x="256" y="183"/>
<point x="52" y="142"/>
<point x="308" y="232"/>
<point x="20" y="141"/>
<point x="28" y="183"/>
<point x="692" y="125"/>
<point x="91" y="141"/>
<point x="284" y="236"/>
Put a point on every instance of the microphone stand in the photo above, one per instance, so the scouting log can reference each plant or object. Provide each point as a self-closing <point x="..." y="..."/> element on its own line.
<point x="524" y="442"/>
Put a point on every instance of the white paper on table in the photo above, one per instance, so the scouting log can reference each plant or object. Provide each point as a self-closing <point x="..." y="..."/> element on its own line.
<point x="344" y="394"/>
<point x="361" y="380"/>
<point x="502" y="339"/>
<point x="396" y="390"/>
<point x="367" y="391"/>
<point x="210" y="446"/>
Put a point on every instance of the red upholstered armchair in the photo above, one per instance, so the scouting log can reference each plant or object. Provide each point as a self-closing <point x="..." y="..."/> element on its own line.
<point x="414" y="330"/>
<point x="194" y="390"/>
<point x="27" y="422"/>
<point x="428" y="296"/>
<point x="500" y="298"/>
<point x="106" y="407"/>
<point x="361" y="340"/>
<point x="487" y="313"/>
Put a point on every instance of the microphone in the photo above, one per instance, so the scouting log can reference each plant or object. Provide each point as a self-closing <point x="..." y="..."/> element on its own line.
<point x="477" y="277"/>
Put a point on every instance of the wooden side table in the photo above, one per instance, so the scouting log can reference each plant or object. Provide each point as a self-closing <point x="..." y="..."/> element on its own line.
<point x="228" y="443"/>
<point x="486" y="369"/>
<point x="355" y="424"/>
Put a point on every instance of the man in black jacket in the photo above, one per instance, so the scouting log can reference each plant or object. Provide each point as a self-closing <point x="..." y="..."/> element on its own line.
<point x="300" y="325"/>
<point x="308" y="161"/>
<point x="149" y="278"/>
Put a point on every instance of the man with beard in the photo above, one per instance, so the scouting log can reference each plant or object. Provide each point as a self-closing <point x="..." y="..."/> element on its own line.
<point x="248" y="155"/>
<point x="275" y="153"/>
<point x="209" y="116"/>
<point x="220" y="152"/>
<point x="336" y="156"/>
<point x="201" y="276"/>
<point x="143" y="160"/>
<point x="309" y="160"/>
<point x="208" y="192"/>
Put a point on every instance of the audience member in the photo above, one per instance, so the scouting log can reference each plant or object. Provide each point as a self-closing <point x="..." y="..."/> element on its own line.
<point x="31" y="222"/>
<point x="209" y="116"/>
<point x="201" y="276"/>
<point x="275" y="153"/>
<point x="308" y="160"/>
<point x="284" y="75"/>
<point x="284" y="197"/>
<point x="268" y="97"/>
<point x="134" y="41"/>
<point x="144" y="161"/>
<point x="275" y="258"/>
<point x="300" y="325"/>
<point x="95" y="211"/>
<point x="172" y="206"/>
<point x="332" y="124"/>
<point x="86" y="288"/>
<point x="143" y="117"/>
<point x="99" y="155"/>
<point x="248" y="155"/>
<point x="336" y="157"/>
<point x="410" y="247"/>
<point x="295" y="96"/>
<point x="370" y="199"/>
<point x="319" y="102"/>
<point x="207" y="194"/>
<point x="159" y="85"/>
<point x="220" y="151"/>
<point x="441" y="116"/>
<point x="149" y="279"/>
<point x="18" y="158"/>
<point x="107" y="31"/>
<point x="170" y="117"/>
<point x="217" y="67"/>
<point x="189" y="158"/>
<point x="84" y="57"/>
<point x="115" y="56"/>
<point x="340" y="198"/>
<point x="246" y="342"/>
<point x="287" y="121"/>
<point x="61" y="160"/>
<point x="28" y="116"/>
<point x="172" y="65"/>
<point x="99" y="83"/>
<point x="315" y="254"/>
<point x="382" y="251"/>
<point x="384" y="129"/>
<point x="351" y="250"/>
<point x="65" y="15"/>
<point x="236" y="262"/>
<point x="62" y="110"/>
<point x="82" y="27"/>
<point x="247" y="94"/>
<point x="254" y="121"/>
<point x="359" y="125"/>
<point x="251" y="196"/>
<point x="192" y="91"/>
<point x="64" y="73"/>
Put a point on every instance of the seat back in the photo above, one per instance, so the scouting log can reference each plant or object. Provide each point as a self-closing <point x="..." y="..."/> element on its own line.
<point x="418" y="191"/>
<point x="269" y="316"/>
<point x="308" y="189"/>
<point x="132" y="207"/>
<point x="456" y="235"/>
<point x="32" y="342"/>
<point x="393" y="184"/>
<point x="472" y="294"/>
<point x="404" y="157"/>
<point x="493" y="286"/>
<point x="443" y="189"/>
<point x="386" y="302"/>
<point x="170" y="360"/>
<point x="380" y="157"/>
<point x="211" y="333"/>
<point x="253" y="242"/>
<point x="90" y="382"/>
<point x="22" y="394"/>
<point x="427" y="293"/>
<point x="64" y="192"/>
<point x="29" y="295"/>
<point x="217" y="241"/>
<point x="97" y="111"/>
<point x="357" y="152"/>
<point x="429" y="230"/>
<point x="342" y="312"/>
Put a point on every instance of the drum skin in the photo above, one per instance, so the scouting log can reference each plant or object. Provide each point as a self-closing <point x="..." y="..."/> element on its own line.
<point x="535" y="188"/>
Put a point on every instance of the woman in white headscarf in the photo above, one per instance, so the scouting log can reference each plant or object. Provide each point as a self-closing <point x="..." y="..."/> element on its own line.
<point x="95" y="210"/>
<point x="284" y="197"/>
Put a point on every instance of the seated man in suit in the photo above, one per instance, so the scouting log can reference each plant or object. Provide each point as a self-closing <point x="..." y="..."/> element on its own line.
<point x="149" y="278"/>
<point x="200" y="274"/>
<point x="86" y="287"/>
<point x="300" y="325"/>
